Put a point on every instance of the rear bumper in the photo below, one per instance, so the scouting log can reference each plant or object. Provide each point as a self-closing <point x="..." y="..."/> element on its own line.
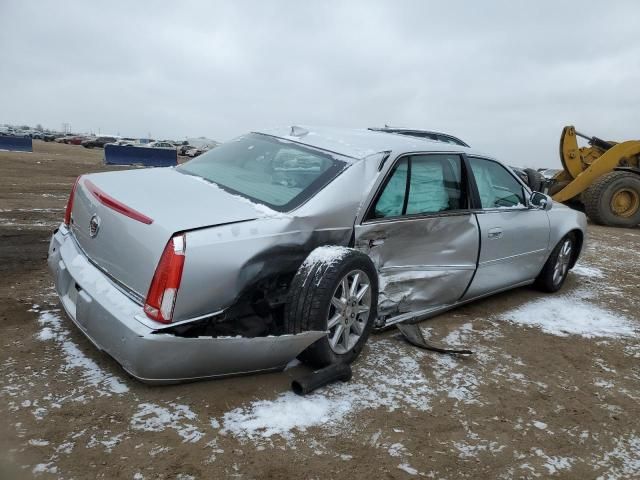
<point x="114" y="324"/>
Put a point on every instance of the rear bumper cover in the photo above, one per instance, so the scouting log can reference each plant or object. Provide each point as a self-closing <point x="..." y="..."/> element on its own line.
<point x="116" y="325"/>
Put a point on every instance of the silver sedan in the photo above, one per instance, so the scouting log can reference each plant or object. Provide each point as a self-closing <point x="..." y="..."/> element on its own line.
<point x="296" y="242"/>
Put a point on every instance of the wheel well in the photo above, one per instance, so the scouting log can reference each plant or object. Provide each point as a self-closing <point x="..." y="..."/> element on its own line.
<point x="579" y="236"/>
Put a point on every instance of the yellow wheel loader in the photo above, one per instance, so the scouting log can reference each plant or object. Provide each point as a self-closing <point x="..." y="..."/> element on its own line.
<point x="604" y="177"/>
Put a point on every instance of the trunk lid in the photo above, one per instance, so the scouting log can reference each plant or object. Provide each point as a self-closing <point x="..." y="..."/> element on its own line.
<point x="128" y="249"/>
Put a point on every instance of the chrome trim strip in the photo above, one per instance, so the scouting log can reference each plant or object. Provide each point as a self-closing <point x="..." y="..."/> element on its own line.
<point x="427" y="268"/>
<point x="507" y="259"/>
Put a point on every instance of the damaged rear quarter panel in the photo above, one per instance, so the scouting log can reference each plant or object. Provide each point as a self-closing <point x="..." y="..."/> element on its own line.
<point x="224" y="261"/>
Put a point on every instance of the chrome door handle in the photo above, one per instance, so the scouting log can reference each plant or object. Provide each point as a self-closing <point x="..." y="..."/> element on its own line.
<point x="495" y="233"/>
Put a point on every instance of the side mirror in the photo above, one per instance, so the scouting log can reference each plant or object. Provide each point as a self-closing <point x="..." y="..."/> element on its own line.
<point x="541" y="201"/>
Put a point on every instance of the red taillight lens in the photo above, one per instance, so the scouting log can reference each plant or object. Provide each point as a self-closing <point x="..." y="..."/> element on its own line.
<point x="166" y="281"/>
<point x="67" y="212"/>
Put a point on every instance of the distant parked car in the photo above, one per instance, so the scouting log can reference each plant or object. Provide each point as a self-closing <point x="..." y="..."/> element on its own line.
<point x="126" y="142"/>
<point x="97" y="142"/>
<point x="183" y="149"/>
<point x="195" y="152"/>
<point x="160" y="145"/>
<point x="75" y="140"/>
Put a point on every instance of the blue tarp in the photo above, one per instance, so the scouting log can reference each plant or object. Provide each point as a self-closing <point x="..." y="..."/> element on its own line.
<point x="18" y="144"/>
<point x="150" y="157"/>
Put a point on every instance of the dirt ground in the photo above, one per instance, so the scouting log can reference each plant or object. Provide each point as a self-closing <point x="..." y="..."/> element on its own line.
<point x="535" y="400"/>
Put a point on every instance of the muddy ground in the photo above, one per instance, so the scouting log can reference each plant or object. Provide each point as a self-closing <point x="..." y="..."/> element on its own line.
<point x="551" y="391"/>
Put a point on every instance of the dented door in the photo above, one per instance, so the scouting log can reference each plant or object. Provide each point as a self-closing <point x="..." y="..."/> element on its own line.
<point x="420" y="234"/>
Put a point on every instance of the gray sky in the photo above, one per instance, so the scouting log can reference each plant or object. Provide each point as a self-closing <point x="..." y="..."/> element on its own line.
<point x="503" y="76"/>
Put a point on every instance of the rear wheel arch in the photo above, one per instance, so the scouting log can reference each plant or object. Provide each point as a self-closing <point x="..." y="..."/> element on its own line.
<point x="310" y="304"/>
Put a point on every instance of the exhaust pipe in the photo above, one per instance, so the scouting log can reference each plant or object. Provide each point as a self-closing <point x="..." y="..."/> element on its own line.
<point x="322" y="377"/>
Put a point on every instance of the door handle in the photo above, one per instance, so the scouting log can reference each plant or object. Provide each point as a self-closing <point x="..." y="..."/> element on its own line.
<point x="376" y="242"/>
<point x="495" y="233"/>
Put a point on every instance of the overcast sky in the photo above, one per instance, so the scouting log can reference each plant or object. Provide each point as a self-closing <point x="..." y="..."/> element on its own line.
<point x="503" y="76"/>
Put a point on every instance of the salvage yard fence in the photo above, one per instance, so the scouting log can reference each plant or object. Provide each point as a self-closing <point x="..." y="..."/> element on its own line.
<point x="149" y="157"/>
<point x="16" y="144"/>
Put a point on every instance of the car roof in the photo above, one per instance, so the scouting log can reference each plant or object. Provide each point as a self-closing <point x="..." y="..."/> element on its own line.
<point x="357" y="143"/>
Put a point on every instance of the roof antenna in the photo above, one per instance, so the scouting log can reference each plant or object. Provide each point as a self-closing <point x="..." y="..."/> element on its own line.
<point x="298" y="131"/>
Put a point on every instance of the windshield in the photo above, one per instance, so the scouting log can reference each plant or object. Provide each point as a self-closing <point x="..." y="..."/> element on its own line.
<point x="264" y="169"/>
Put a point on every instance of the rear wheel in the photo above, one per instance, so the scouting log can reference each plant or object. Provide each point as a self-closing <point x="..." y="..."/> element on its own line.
<point x="555" y="270"/>
<point x="614" y="199"/>
<point x="338" y="295"/>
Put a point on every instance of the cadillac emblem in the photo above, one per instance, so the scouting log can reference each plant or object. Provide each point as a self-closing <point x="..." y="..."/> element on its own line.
<point x="94" y="226"/>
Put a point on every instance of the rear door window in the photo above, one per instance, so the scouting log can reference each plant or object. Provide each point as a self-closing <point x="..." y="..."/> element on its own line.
<point x="422" y="185"/>
<point x="435" y="184"/>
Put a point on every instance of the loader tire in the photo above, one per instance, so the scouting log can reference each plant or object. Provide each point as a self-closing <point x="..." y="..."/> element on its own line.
<point x="316" y="289"/>
<point x="534" y="179"/>
<point x="614" y="200"/>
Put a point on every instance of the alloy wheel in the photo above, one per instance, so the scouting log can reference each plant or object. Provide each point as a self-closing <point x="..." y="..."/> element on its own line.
<point x="562" y="262"/>
<point x="349" y="311"/>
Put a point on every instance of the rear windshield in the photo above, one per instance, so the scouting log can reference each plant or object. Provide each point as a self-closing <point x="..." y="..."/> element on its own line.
<point x="277" y="173"/>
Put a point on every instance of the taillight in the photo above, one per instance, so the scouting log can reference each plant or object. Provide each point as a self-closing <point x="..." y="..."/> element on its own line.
<point x="166" y="281"/>
<point x="67" y="212"/>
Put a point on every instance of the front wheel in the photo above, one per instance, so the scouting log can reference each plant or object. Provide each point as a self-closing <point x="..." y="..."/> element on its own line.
<point x="555" y="270"/>
<point x="335" y="290"/>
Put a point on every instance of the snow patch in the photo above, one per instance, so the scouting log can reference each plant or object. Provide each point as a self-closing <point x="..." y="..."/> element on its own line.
<point x="554" y="464"/>
<point x="49" y="467"/>
<point x="408" y="468"/>
<point x="327" y="254"/>
<point x="91" y="373"/>
<point x="571" y="315"/>
<point x="37" y="442"/>
<point x="623" y="461"/>
<point x="378" y="385"/>
<point x="584" y="271"/>
<point x="154" y="418"/>
<point x="280" y="416"/>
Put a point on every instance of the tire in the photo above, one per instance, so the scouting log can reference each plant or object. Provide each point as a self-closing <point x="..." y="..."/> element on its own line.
<point x="555" y="270"/>
<point x="314" y="304"/>
<point x="614" y="200"/>
<point x="534" y="179"/>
